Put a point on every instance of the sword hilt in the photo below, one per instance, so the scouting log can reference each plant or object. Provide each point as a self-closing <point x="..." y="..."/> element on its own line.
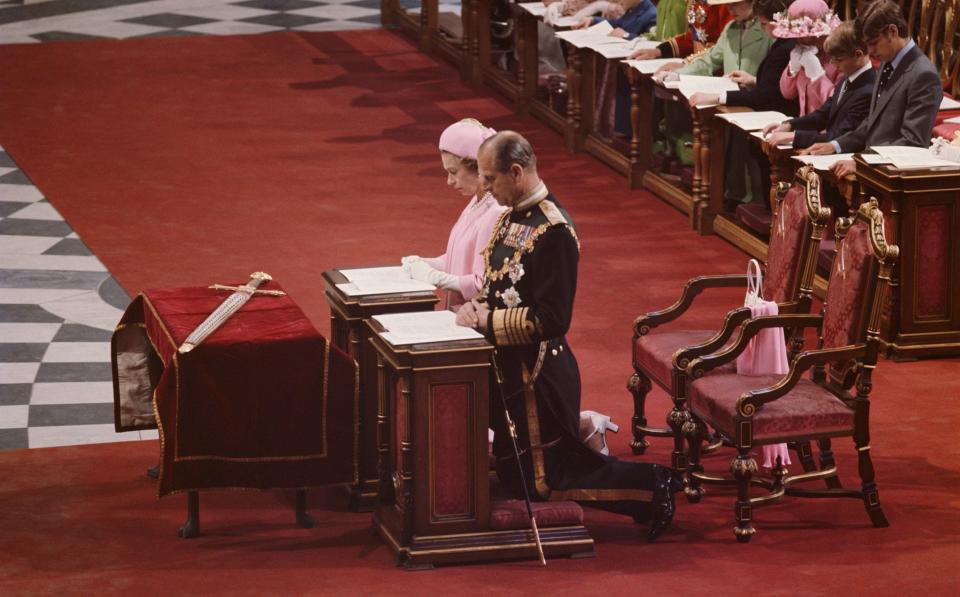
<point x="224" y="311"/>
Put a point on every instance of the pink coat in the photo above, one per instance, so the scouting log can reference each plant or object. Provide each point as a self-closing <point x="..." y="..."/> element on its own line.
<point x="811" y="94"/>
<point x="468" y="237"/>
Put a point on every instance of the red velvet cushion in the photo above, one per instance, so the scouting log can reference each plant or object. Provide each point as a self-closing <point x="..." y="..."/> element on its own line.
<point x="806" y="409"/>
<point x="786" y="241"/>
<point x="755" y="216"/>
<point x="945" y="130"/>
<point x="508" y="515"/>
<point x="653" y="353"/>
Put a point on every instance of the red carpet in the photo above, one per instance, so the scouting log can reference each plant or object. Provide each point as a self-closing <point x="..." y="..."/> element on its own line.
<point x="189" y="161"/>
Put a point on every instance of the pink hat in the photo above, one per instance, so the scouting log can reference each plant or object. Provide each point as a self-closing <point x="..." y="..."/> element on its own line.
<point x="805" y="18"/>
<point x="463" y="138"/>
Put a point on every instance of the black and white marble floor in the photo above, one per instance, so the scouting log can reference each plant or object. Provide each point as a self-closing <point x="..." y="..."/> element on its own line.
<point x="32" y="21"/>
<point x="58" y="306"/>
<point x="58" y="303"/>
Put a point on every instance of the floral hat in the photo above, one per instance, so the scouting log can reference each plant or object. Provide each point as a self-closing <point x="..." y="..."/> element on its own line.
<point x="805" y="18"/>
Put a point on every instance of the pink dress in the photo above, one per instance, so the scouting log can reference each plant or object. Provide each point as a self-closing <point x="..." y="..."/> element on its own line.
<point x="811" y="94"/>
<point x="468" y="237"/>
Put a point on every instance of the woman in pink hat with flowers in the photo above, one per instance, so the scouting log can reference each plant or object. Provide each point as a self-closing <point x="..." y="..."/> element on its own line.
<point x="810" y="76"/>
<point x="460" y="270"/>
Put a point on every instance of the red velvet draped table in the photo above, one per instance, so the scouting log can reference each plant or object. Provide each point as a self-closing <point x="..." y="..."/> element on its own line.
<point x="264" y="402"/>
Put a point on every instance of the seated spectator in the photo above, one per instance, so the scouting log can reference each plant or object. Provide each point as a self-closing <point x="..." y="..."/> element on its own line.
<point x="846" y="108"/>
<point x="810" y="76"/>
<point x="906" y="97"/>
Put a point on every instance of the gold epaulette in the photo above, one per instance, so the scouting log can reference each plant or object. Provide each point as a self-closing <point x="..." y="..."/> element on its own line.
<point x="511" y="327"/>
<point x="555" y="216"/>
<point x="552" y="212"/>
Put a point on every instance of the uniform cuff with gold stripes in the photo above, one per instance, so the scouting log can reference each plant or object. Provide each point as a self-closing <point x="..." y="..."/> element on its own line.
<point x="512" y="326"/>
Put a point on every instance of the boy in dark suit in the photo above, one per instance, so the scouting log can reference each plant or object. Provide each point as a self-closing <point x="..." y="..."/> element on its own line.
<point x="906" y="96"/>
<point x="846" y="108"/>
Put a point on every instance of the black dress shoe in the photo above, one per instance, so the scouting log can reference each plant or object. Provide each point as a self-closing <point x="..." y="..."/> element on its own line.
<point x="663" y="504"/>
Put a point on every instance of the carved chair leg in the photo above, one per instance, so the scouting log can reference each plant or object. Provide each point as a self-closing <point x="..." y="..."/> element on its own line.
<point x="743" y="467"/>
<point x="695" y="431"/>
<point x="827" y="461"/>
<point x="805" y="454"/>
<point x="871" y="496"/>
<point x="676" y="419"/>
<point x="639" y="385"/>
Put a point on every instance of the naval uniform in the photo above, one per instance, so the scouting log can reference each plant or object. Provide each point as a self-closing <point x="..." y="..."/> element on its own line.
<point x="531" y="278"/>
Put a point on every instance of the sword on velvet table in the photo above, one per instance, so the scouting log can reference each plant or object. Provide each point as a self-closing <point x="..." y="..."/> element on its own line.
<point x="227" y="308"/>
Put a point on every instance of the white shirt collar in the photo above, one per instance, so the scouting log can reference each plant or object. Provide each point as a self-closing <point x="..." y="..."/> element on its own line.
<point x="538" y="194"/>
<point x="862" y="70"/>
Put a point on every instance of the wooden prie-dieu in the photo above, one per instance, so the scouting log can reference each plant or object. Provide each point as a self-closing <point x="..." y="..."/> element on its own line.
<point x="348" y="330"/>
<point x="433" y="503"/>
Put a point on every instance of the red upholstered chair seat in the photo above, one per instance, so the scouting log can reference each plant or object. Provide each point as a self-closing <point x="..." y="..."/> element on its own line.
<point x="654" y="352"/>
<point x="507" y="515"/>
<point x="807" y="408"/>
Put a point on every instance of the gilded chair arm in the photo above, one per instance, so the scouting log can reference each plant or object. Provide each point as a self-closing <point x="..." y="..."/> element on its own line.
<point x="731" y="322"/>
<point x="748" y="330"/>
<point x="644" y="323"/>
<point x="752" y="401"/>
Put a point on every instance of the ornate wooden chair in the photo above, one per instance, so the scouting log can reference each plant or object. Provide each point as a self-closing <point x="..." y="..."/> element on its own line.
<point x="661" y="356"/>
<point x="833" y="402"/>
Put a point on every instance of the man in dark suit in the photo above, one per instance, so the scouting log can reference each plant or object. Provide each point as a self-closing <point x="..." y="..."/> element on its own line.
<point x="906" y="96"/>
<point x="846" y="108"/>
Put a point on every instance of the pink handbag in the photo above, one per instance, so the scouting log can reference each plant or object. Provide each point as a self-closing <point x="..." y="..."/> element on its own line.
<point x="766" y="353"/>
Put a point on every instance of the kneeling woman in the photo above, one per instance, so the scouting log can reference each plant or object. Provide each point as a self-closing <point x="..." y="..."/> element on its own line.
<point x="459" y="271"/>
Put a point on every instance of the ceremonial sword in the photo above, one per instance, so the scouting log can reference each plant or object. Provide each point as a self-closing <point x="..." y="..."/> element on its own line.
<point x="227" y="308"/>
<point x="516" y="452"/>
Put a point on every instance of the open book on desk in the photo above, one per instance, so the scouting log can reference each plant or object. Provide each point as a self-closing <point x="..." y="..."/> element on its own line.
<point x="422" y="327"/>
<point x="753" y="121"/>
<point x="613" y="51"/>
<point x="648" y="67"/>
<point x="759" y="135"/>
<point x="537" y="9"/>
<point x="907" y="158"/>
<point x="592" y="36"/>
<point x="368" y="281"/>
<point x="690" y="84"/>
<point x="823" y="162"/>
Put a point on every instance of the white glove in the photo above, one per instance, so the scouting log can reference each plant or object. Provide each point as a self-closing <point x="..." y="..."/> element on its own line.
<point x="811" y="64"/>
<point x="420" y="270"/>
<point x="406" y="261"/>
<point x="795" y="55"/>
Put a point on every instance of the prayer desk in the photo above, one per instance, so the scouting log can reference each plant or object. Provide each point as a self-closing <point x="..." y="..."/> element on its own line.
<point x="261" y="403"/>
<point x="922" y="209"/>
<point x="434" y="505"/>
<point x="349" y="333"/>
